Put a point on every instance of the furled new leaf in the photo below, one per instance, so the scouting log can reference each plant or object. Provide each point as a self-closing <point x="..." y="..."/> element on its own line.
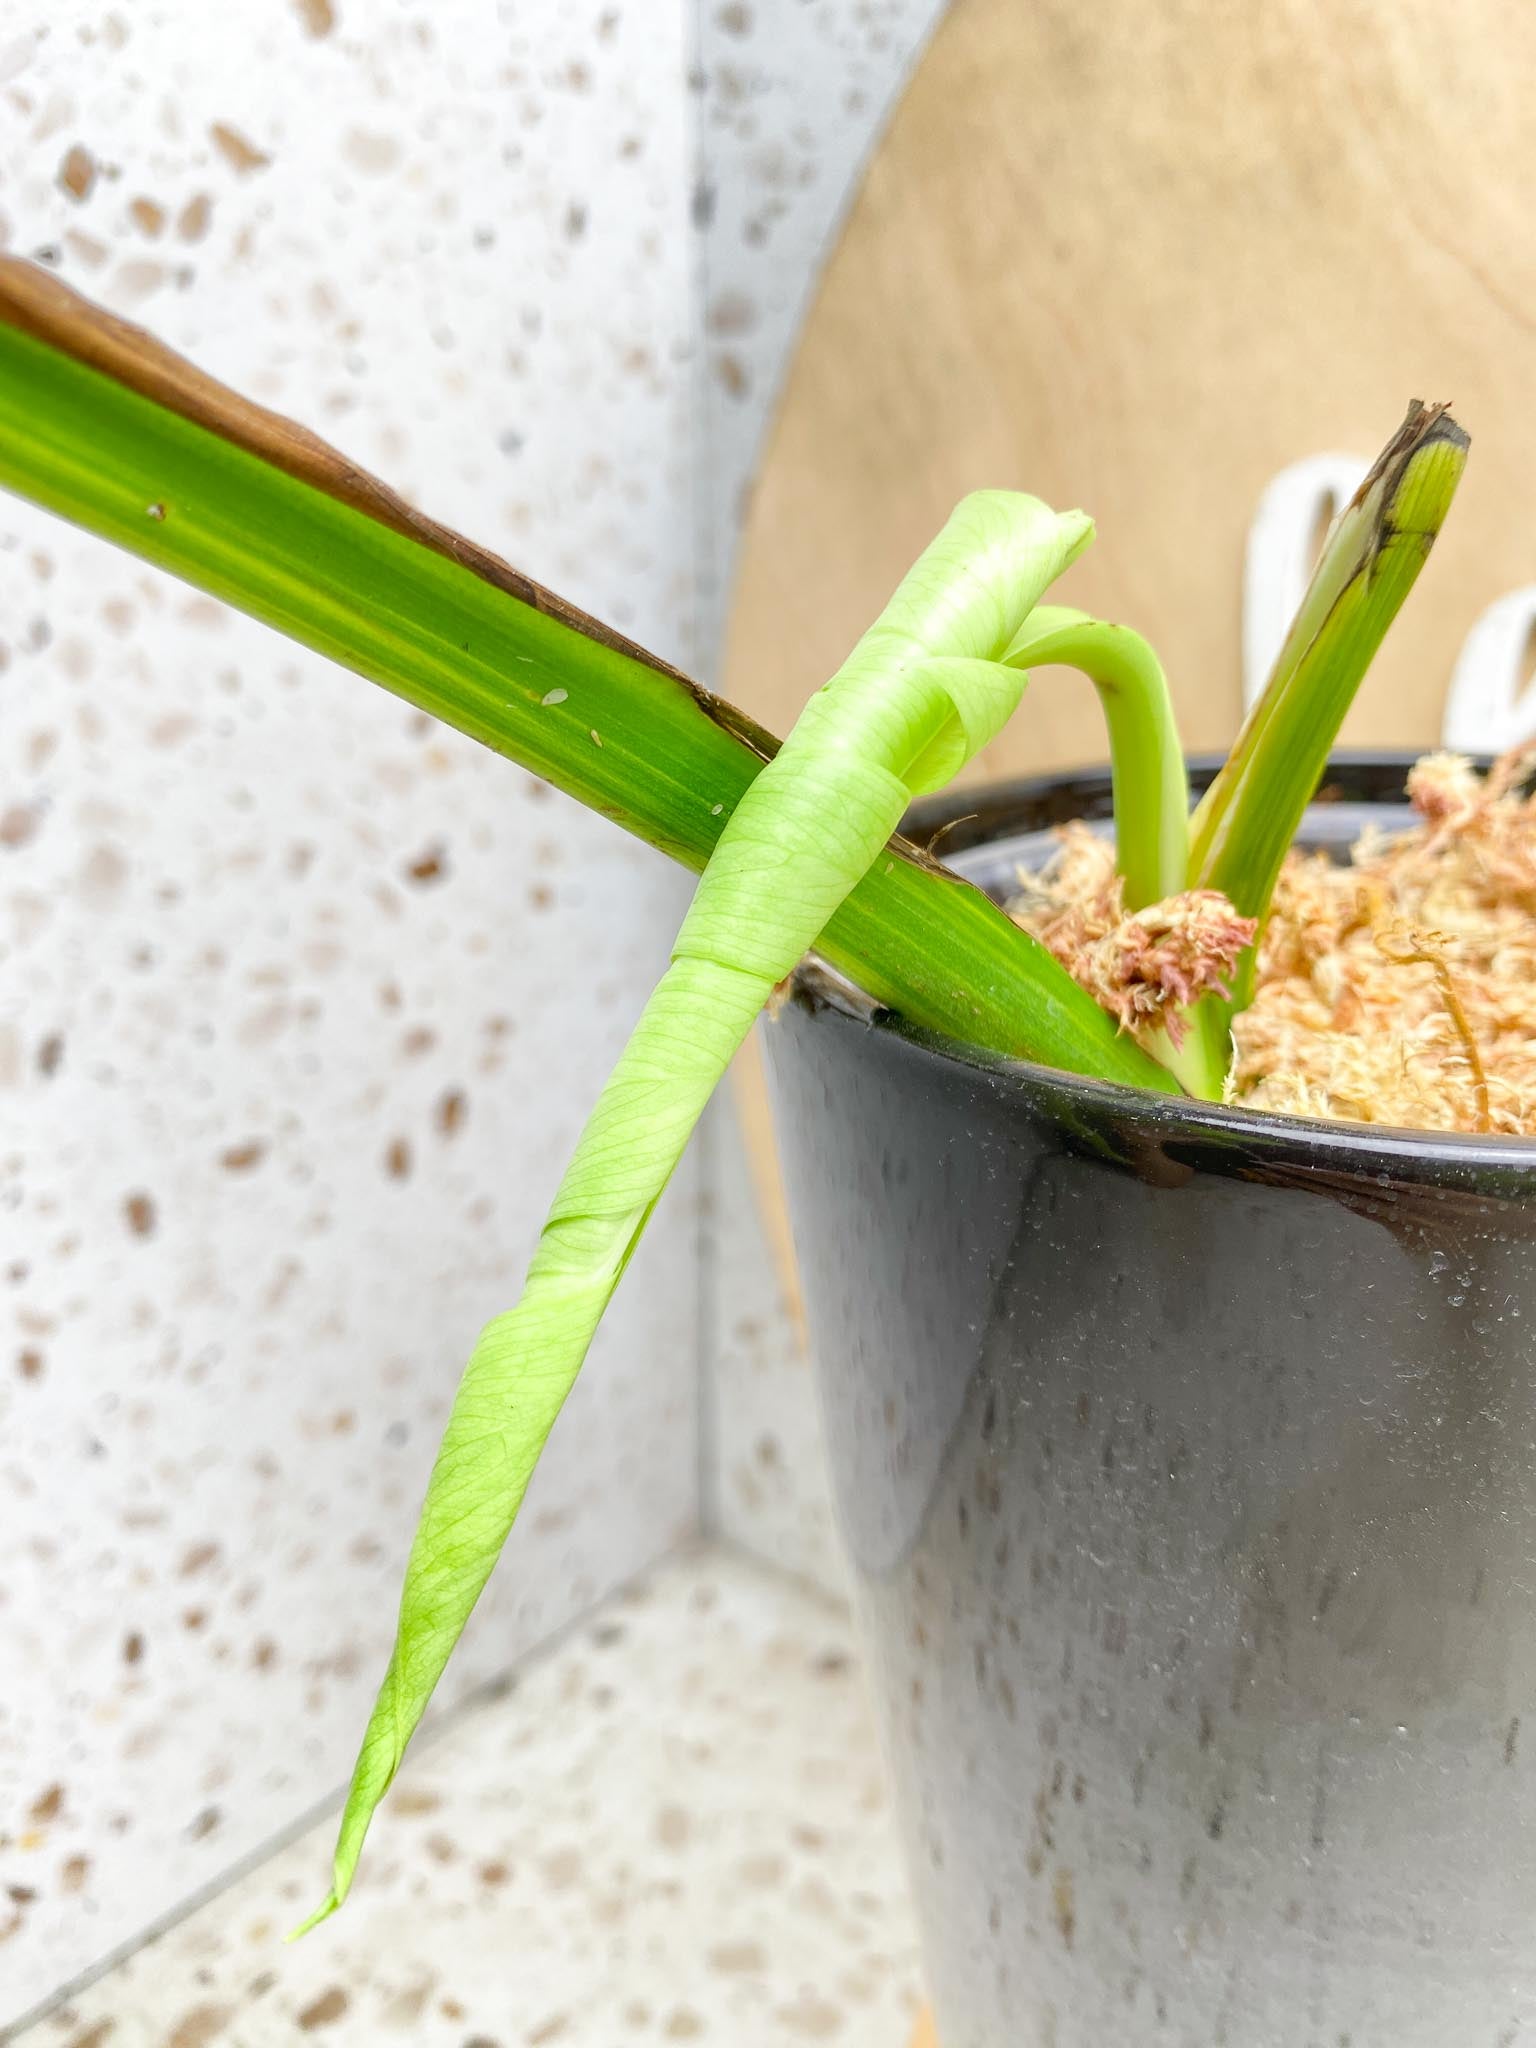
<point x="924" y="690"/>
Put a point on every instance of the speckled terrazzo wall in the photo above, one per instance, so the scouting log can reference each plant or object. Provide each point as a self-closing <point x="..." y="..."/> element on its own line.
<point x="794" y="94"/>
<point x="287" y="1062"/>
<point x="291" y="1052"/>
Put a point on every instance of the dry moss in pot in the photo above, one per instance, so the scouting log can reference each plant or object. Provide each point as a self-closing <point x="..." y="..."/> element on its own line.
<point x="1395" y="986"/>
<point x="1187" y="1459"/>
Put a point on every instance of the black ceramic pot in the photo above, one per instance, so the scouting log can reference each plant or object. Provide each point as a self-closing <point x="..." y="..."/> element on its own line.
<point x="1187" y="1464"/>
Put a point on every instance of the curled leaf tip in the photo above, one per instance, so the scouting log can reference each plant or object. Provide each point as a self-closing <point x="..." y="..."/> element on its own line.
<point x="323" y="1911"/>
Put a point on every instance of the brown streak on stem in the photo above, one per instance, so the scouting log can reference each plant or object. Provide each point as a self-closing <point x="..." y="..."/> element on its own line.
<point x="37" y="303"/>
<point x="1421" y="425"/>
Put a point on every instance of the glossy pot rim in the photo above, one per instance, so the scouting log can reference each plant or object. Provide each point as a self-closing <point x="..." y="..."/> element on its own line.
<point x="1134" y="1121"/>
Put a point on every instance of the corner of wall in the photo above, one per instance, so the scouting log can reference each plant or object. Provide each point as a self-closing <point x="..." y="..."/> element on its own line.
<point x="789" y="101"/>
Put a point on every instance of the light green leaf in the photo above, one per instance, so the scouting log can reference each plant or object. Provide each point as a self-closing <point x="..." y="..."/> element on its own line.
<point x="922" y="691"/>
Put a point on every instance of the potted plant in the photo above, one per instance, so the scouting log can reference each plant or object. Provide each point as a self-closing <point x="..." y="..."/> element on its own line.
<point x="1182" y="1453"/>
<point x="1096" y="1347"/>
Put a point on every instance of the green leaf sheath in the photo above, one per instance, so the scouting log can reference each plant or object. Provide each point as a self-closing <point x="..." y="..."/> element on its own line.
<point x="921" y="693"/>
<point x="162" y="460"/>
<point x="1248" y="818"/>
<point x="1151" y="787"/>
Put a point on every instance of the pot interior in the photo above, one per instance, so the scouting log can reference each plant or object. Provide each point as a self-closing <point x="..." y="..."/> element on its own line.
<point x="988" y="834"/>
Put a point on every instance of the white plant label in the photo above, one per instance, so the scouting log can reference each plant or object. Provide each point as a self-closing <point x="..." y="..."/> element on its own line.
<point x="1492" y="700"/>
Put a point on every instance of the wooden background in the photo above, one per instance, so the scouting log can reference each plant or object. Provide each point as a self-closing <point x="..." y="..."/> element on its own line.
<point x="1139" y="256"/>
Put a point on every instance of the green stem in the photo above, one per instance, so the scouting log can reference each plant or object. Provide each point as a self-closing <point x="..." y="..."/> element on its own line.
<point x="1248" y="818"/>
<point x="1200" y="1063"/>
<point x="1151" y="789"/>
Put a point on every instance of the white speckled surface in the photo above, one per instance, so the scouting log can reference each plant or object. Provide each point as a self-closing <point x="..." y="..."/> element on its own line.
<point x="794" y="95"/>
<point x="288" y="1064"/>
<point x="673" y="1828"/>
<point x="301" y="998"/>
